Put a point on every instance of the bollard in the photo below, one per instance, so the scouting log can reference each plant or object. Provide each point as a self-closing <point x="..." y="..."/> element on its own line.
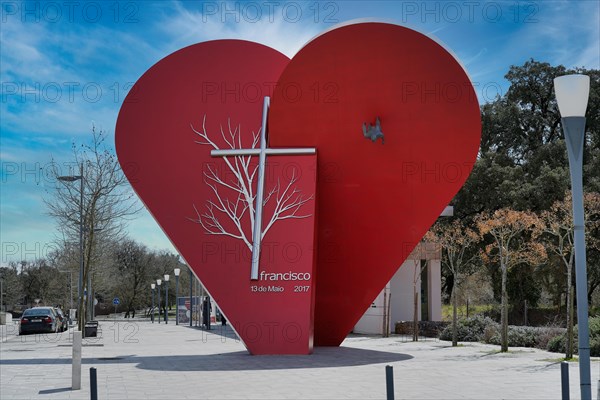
<point x="76" y="361"/>
<point x="564" y="380"/>
<point x="93" y="384"/>
<point x="389" y="381"/>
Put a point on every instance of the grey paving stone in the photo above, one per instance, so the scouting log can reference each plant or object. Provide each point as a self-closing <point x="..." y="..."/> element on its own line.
<point x="140" y="360"/>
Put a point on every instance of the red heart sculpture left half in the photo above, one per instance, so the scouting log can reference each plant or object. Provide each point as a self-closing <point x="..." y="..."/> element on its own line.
<point x="205" y="97"/>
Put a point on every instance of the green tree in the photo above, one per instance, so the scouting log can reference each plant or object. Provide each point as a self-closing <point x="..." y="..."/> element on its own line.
<point x="522" y="164"/>
<point x="523" y="160"/>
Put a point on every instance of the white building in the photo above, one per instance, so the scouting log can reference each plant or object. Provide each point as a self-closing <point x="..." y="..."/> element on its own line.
<point x="421" y="270"/>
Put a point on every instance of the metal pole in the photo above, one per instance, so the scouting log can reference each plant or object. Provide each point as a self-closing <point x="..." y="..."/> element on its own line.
<point x="159" y="304"/>
<point x="81" y="266"/>
<point x="199" y="305"/>
<point x="564" y="380"/>
<point x="93" y="384"/>
<point x="167" y="303"/>
<point x="152" y="309"/>
<point x="90" y="302"/>
<point x="176" y="299"/>
<point x="389" y="382"/>
<point x="71" y="289"/>
<point x="574" y="128"/>
<point x="262" y="159"/>
<point x="76" y="361"/>
<point x="191" y="295"/>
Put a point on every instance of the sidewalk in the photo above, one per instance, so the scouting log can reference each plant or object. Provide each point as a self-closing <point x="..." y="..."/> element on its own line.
<point x="139" y="360"/>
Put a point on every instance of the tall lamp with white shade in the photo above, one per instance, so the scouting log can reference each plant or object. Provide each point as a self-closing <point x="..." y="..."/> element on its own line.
<point x="572" y="92"/>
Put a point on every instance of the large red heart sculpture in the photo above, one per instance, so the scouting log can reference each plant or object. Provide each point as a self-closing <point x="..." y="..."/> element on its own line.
<point x="375" y="200"/>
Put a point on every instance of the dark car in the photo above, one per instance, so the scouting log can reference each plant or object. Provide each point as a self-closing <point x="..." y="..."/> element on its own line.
<point x="38" y="320"/>
<point x="64" y="322"/>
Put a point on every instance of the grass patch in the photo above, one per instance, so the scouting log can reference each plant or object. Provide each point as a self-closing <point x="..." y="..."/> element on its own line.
<point x="461" y="311"/>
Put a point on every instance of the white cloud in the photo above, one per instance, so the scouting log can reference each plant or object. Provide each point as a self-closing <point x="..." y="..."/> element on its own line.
<point x="187" y="27"/>
<point x="56" y="79"/>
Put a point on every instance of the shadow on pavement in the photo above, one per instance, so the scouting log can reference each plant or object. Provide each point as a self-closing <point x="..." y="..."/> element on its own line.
<point x="58" y="390"/>
<point x="323" y="357"/>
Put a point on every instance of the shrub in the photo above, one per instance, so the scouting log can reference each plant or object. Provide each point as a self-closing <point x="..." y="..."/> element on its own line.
<point x="558" y="344"/>
<point x="547" y="334"/>
<point x="594" y="324"/>
<point x="483" y="329"/>
<point x="595" y="347"/>
<point x="472" y="329"/>
<point x="521" y="336"/>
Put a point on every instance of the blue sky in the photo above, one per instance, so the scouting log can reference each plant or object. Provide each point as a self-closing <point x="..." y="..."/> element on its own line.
<point x="67" y="65"/>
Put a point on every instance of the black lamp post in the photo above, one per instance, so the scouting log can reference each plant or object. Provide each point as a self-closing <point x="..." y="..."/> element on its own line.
<point x="166" y="298"/>
<point x="177" y="272"/>
<point x="158" y="282"/>
<point x="152" y="286"/>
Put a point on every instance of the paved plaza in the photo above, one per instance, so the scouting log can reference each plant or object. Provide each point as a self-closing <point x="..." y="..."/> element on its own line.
<point x="140" y="360"/>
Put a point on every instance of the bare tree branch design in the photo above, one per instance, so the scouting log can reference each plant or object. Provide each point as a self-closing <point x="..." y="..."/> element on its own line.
<point x="234" y="198"/>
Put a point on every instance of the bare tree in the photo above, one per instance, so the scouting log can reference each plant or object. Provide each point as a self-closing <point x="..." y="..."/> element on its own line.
<point x="132" y="262"/>
<point x="225" y="215"/>
<point x="42" y="284"/>
<point x="11" y="286"/>
<point x="558" y="227"/>
<point x="456" y="241"/>
<point x="510" y="231"/>
<point x="101" y="202"/>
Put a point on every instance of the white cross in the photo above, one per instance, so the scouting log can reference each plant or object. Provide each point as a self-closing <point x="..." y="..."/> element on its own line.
<point x="262" y="152"/>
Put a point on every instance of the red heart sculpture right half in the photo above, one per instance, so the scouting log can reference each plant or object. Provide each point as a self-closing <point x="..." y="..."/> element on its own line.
<point x="396" y="124"/>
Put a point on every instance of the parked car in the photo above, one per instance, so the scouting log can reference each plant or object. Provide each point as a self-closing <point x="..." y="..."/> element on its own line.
<point x="64" y="321"/>
<point x="38" y="320"/>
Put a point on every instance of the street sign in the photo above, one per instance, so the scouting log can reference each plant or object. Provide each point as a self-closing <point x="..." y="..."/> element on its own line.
<point x="116" y="301"/>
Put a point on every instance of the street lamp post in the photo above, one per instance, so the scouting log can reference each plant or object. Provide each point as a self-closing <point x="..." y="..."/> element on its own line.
<point x="572" y="92"/>
<point x="152" y="286"/>
<point x="177" y="272"/>
<point x="73" y="178"/>
<point x="166" y="298"/>
<point x="70" y="292"/>
<point x="91" y="300"/>
<point x="158" y="282"/>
